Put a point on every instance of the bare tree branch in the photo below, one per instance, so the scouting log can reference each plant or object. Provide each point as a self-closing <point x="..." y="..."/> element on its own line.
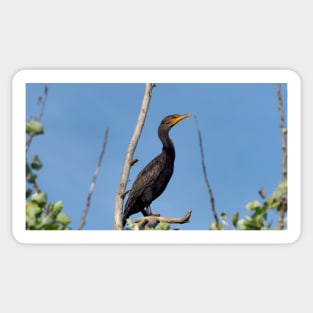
<point x="282" y="210"/>
<point x="283" y="132"/>
<point x="93" y="182"/>
<point x="153" y="220"/>
<point x="283" y="204"/>
<point x="129" y="157"/>
<point x="206" y="176"/>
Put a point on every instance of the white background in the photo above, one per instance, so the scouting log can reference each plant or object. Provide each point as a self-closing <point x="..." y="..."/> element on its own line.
<point x="163" y="34"/>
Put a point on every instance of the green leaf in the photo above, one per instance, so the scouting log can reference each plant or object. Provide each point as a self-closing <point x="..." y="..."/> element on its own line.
<point x="213" y="226"/>
<point x="63" y="219"/>
<point x="241" y="224"/>
<point x="274" y="200"/>
<point x="28" y="193"/>
<point x="281" y="190"/>
<point x="235" y="218"/>
<point x="51" y="227"/>
<point x="56" y="207"/>
<point x="253" y="205"/>
<point x="46" y="221"/>
<point x="34" y="128"/>
<point x="40" y="198"/>
<point x="252" y="223"/>
<point x="31" y="178"/>
<point x="163" y="226"/>
<point x="260" y="211"/>
<point x="32" y="212"/>
<point x="36" y="163"/>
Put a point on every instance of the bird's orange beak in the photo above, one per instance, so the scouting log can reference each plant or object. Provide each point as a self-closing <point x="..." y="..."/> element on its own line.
<point x="179" y="118"/>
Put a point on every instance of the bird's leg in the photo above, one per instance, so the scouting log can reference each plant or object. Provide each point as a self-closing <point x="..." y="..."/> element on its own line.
<point x="149" y="212"/>
<point x="146" y="212"/>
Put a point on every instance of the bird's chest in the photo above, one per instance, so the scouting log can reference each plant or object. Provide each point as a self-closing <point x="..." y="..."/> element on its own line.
<point x="160" y="182"/>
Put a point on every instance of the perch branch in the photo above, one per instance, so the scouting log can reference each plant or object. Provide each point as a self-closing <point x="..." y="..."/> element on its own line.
<point x="129" y="157"/>
<point x="206" y="176"/>
<point x="153" y="220"/>
<point x="283" y="205"/>
<point x="93" y="182"/>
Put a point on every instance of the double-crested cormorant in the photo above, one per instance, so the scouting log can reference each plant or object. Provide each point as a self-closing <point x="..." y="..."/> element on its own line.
<point x="153" y="179"/>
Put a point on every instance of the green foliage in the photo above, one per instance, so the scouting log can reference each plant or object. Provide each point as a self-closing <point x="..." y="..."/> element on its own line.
<point x="33" y="211"/>
<point x="163" y="226"/>
<point x="38" y="217"/>
<point x="254" y="222"/>
<point x="216" y="226"/>
<point x="35" y="163"/>
<point x="234" y="219"/>
<point x="274" y="200"/>
<point x="258" y="220"/>
<point x="30" y="176"/>
<point x="62" y="219"/>
<point x="251" y="206"/>
<point x="39" y="214"/>
<point x="40" y="198"/>
<point x="34" y="128"/>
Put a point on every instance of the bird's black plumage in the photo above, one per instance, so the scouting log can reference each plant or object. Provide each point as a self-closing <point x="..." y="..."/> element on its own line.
<point x="154" y="177"/>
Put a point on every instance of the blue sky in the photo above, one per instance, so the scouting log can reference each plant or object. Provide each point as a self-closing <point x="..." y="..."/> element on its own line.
<point x="240" y="133"/>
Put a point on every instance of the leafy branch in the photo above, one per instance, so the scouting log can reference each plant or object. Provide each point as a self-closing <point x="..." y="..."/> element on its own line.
<point x="39" y="214"/>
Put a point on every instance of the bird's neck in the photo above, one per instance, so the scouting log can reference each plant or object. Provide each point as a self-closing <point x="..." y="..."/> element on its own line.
<point x="168" y="145"/>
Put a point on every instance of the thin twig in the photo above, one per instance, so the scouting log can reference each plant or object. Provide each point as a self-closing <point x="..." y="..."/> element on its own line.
<point x="36" y="187"/>
<point x="129" y="157"/>
<point x="206" y="176"/>
<point x="93" y="182"/>
<point x="283" y="205"/>
<point x="283" y="132"/>
<point x="282" y="210"/>
<point x="42" y="100"/>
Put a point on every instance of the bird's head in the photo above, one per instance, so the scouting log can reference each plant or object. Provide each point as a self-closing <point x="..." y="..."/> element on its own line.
<point x="171" y="120"/>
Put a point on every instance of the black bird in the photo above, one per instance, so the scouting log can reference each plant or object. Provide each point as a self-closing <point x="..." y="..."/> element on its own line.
<point x="154" y="177"/>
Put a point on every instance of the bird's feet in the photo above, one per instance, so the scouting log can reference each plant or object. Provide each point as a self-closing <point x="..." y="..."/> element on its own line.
<point x="148" y="212"/>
